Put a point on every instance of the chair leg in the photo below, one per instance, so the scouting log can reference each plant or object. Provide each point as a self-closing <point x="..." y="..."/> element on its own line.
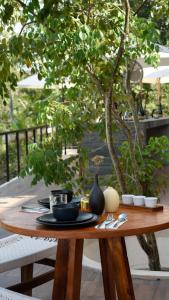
<point x="26" y="275"/>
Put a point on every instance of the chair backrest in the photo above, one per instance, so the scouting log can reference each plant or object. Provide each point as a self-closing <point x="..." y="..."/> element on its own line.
<point x="18" y="250"/>
<point x="10" y="295"/>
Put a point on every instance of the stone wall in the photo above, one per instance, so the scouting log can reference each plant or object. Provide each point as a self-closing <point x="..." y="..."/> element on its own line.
<point x="96" y="146"/>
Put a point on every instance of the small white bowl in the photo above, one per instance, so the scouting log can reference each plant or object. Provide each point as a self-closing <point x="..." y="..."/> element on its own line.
<point x="127" y="199"/>
<point x="138" y="200"/>
<point x="150" y="201"/>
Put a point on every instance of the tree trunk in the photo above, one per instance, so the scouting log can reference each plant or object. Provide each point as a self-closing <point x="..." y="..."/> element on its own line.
<point x="128" y="134"/>
<point x="110" y="144"/>
<point x="133" y="108"/>
<point x="149" y="245"/>
<point x="154" y="260"/>
<point x="139" y="134"/>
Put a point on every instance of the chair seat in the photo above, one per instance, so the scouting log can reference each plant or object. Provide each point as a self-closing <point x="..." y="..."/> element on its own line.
<point x="18" y="250"/>
<point x="10" y="295"/>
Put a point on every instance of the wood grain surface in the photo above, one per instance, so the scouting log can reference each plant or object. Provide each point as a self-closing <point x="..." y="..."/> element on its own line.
<point x="69" y="264"/>
<point x="67" y="281"/>
<point x="158" y="207"/>
<point x="139" y="222"/>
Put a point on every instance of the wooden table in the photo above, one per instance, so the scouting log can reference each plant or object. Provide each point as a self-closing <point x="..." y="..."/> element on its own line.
<point x="114" y="261"/>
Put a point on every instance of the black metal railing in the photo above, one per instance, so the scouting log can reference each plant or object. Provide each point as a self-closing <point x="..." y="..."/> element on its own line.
<point x="14" y="148"/>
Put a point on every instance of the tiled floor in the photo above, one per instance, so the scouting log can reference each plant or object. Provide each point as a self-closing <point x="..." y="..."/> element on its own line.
<point x="92" y="287"/>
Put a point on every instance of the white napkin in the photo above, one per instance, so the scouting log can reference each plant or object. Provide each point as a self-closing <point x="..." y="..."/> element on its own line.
<point x="34" y="209"/>
<point x="102" y="226"/>
<point x="117" y="226"/>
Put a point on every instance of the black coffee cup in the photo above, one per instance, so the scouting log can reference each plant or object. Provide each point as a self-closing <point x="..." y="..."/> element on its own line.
<point x="66" y="212"/>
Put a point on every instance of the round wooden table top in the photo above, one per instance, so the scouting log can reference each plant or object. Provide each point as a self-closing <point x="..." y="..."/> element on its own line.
<point x="139" y="222"/>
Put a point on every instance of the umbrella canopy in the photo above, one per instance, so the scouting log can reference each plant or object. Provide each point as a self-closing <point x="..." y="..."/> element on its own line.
<point x="152" y="75"/>
<point x="32" y="82"/>
<point x="156" y="76"/>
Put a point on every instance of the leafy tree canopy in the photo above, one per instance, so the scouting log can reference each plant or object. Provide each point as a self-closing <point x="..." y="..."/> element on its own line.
<point x="76" y="39"/>
<point x="158" y="11"/>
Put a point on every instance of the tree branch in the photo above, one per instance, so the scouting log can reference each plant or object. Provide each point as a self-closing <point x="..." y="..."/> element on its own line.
<point x="133" y="109"/>
<point x="111" y="147"/>
<point x="89" y="11"/>
<point x="24" y="25"/>
<point x="108" y="103"/>
<point x="141" y="6"/>
<point x="21" y="3"/>
<point x="95" y="80"/>
<point x="24" y="6"/>
<point x="109" y="137"/>
<point x="144" y="244"/>
<point x="128" y="134"/>
<point x="122" y="43"/>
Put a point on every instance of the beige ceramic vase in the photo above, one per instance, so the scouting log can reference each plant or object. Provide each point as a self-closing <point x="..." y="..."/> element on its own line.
<point x="112" y="200"/>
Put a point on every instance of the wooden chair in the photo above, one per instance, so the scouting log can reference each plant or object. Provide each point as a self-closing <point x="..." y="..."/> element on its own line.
<point x="18" y="251"/>
<point x="9" y="295"/>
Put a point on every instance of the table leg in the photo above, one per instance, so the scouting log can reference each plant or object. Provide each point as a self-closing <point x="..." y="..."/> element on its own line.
<point x="116" y="251"/>
<point x="108" y="276"/>
<point x="68" y="269"/>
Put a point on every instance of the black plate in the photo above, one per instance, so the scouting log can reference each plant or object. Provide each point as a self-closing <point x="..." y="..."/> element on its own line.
<point x="49" y="220"/>
<point x="82" y="217"/>
<point x="45" y="201"/>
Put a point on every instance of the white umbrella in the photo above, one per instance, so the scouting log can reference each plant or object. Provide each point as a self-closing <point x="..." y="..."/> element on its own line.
<point x="156" y="76"/>
<point x="152" y="75"/>
<point x="32" y="82"/>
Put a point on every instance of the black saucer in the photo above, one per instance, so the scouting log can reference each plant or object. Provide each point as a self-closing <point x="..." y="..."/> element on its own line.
<point x="84" y="219"/>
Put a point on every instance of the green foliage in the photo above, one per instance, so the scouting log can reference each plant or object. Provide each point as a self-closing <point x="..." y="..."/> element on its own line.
<point x="21" y="113"/>
<point x="45" y="162"/>
<point x="68" y="123"/>
<point x="151" y="159"/>
<point x="24" y="112"/>
<point x="71" y="119"/>
<point x="158" y="11"/>
<point x="75" y="40"/>
<point x="69" y="38"/>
